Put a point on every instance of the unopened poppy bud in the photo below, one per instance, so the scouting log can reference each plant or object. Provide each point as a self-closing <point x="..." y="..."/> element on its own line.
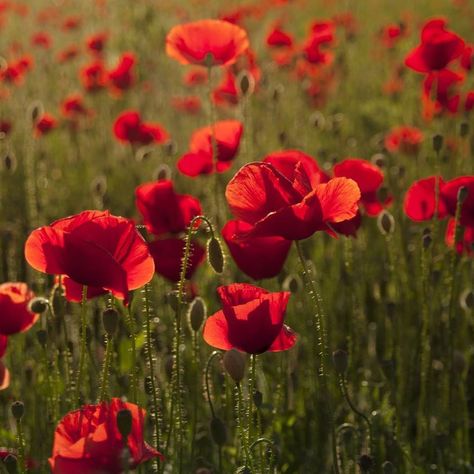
<point x="143" y="153"/>
<point x="437" y="143"/>
<point x="318" y="120"/>
<point x="38" y="305"/>
<point x="386" y="223"/>
<point x="258" y="398"/>
<point x="234" y="364"/>
<point x="18" y="410"/>
<point x="218" y="431"/>
<point x="215" y="255"/>
<point x="162" y="172"/>
<point x="124" y="422"/>
<point x="292" y="283"/>
<point x="11" y="464"/>
<point x="197" y="313"/>
<point x="172" y="300"/>
<point x="110" y="321"/>
<point x="464" y="129"/>
<point x="388" y="468"/>
<point x="246" y="83"/>
<point x="99" y="186"/>
<point x="467" y="299"/>
<point x="378" y="160"/>
<point x="365" y="462"/>
<point x="463" y="192"/>
<point x="9" y="162"/>
<point x="42" y="337"/>
<point x="340" y="359"/>
<point x="35" y="111"/>
<point x="170" y="148"/>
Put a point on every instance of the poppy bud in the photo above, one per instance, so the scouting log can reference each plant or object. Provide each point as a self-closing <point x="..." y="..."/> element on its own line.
<point x="11" y="464"/>
<point x="464" y="129"/>
<point x="9" y="162"/>
<point x="38" y="305"/>
<point x="365" y="462"/>
<point x="388" y="468"/>
<point x="18" y="409"/>
<point x="35" y="110"/>
<point x="386" y="223"/>
<point x="42" y="337"/>
<point x="292" y="283"/>
<point x="246" y="83"/>
<point x="317" y="120"/>
<point x="340" y="359"/>
<point x="170" y="147"/>
<point x="143" y="153"/>
<point x="99" y="186"/>
<point x="172" y="300"/>
<point x="162" y="173"/>
<point x="110" y="321"/>
<point x="218" y="431"/>
<point x="258" y="398"/>
<point x="197" y="313"/>
<point x="467" y="299"/>
<point x="234" y="364"/>
<point x="124" y="422"/>
<point x="437" y="143"/>
<point x="378" y="160"/>
<point x="215" y="255"/>
<point x="463" y="192"/>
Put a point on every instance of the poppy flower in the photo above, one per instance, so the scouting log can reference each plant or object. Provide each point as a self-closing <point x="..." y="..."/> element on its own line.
<point x="466" y="241"/>
<point x="257" y="257"/>
<point x="45" y="123"/>
<point x="391" y="34"/>
<point x="71" y="23"/>
<point x="96" y="43"/>
<point x="251" y="320"/>
<point x="206" y="43"/>
<point x="93" y="248"/>
<point x="404" y="139"/>
<point x="369" y="178"/>
<point x="73" y="291"/>
<point x="15" y="315"/>
<point x="437" y="49"/>
<point x="5" y="127"/>
<point x="68" y="53"/>
<point x="322" y="34"/>
<point x="467" y="57"/>
<point x="3" y="344"/>
<point x="41" y="39"/>
<point x="73" y="107"/>
<point x="4" y="376"/>
<point x="93" y="76"/>
<point x="444" y="94"/>
<point x="199" y="159"/>
<point x="88" y="441"/>
<point x="195" y="77"/>
<point x="449" y="195"/>
<point x="420" y="200"/>
<point x="226" y="92"/>
<point x="122" y="76"/>
<point x="168" y="254"/>
<point x="163" y="210"/>
<point x="261" y="195"/>
<point x="278" y="38"/>
<point x="190" y="104"/>
<point x="129" y="128"/>
<point x="468" y="103"/>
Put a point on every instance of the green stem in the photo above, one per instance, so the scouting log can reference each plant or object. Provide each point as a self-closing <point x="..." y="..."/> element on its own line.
<point x="21" y="447"/>
<point x="106" y="369"/>
<point x="82" y="356"/>
<point x="130" y="322"/>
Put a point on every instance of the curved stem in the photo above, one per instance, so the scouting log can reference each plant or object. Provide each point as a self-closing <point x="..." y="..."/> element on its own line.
<point x="206" y="379"/>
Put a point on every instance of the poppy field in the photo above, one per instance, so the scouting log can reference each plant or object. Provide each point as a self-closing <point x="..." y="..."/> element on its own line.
<point x="236" y="237"/>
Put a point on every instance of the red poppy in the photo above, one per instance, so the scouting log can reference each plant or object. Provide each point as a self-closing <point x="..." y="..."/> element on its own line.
<point x="15" y="316"/>
<point x="71" y="23"/>
<point x="163" y="210"/>
<point x="96" y="43"/>
<point x="168" y="255"/>
<point x="369" y="178"/>
<point x="68" y="54"/>
<point x="190" y="104"/>
<point x="206" y="42"/>
<point x="93" y="248"/>
<point x="437" y="49"/>
<point x="251" y="320"/>
<point x="322" y="34"/>
<point x="73" y="107"/>
<point x="4" y="376"/>
<point x="449" y="195"/>
<point x="465" y="243"/>
<point x="41" y="39"/>
<point x="445" y="96"/>
<point x="5" y="127"/>
<point x="199" y="159"/>
<point x="261" y="195"/>
<point x="226" y="92"/>
<point x="3" y="344"/>
<point x="122" y="76"/>
<point x="93" y="76"/>
<point x="468" y="103"/>
<point x="88" y="441"/>
<point x="278" y="38"/>
<point x="129" y="128"/>
<point x="73" y="291"/>
<point x="467" y="57"/>
<point x="404" y="139"/>
<point x="420" y="200"/>
<point x="195" y="77"/>
<point x="45" y="123"/>
<point x="258" y="257"/>
<point x="391" y="34"/>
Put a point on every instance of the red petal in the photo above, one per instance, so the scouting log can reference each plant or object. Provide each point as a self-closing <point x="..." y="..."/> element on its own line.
<point x="215" y="331"/>
<point x="368" y="176"/>
<point x="420" y="200"/>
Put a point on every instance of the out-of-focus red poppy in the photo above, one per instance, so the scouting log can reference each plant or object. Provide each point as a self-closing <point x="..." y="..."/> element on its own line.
<point x="88" y="441"/>
<point x="93" y="248"/>
<point x="163" y="210"/>
<point x="466" y="243"/>
<point x="199" y="160"/>
<point x="420" y="200"/>
<point x="45" y="124"/>
<point x="96" y="43"/>
<point x="15" y="316"/>
<point x="67" y="54"/>
<point x="71" y="23"/>
<point x="190" y="104"/>
<point x="449" y="194"/>
<point x="5" y="127"/>
<point x="226" y="92"/>
<point x="195" y="77"/>
<point x="261" y="195"/>
<point x="4" y="376"/>
<point x="437" y="49"/>
<point x="122" y="76"/>
<point x="321" y="34"/>
<point x="251" y="320"/>
<point x="42" y="40"/>
<point x="73" y="107"/>
<point x="467" y="57"/>
<point x="369" y="178"/>
<point x="207" y="43"/>
<point x="468" y="103"/>
<point x="129" y="128"/>
<point x="404" y="139"/>
<point x="391" y="34"/>
<point x="258" y="257"/>
<point x="3" y="344"/>
<point x="277" y="37"/>
<point x="93" y="76"/>
<point x="168" y="255"/>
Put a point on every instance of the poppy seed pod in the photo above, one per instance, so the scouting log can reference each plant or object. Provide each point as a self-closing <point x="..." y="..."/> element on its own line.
<point x="437" y="143"/>
<point x="386" y="223"/>
<point x="197" y="313"/>
<point x="124" y="422"/>
<point x="110" y="321"/>
<point x="365" y="462"/>
<point x="234" y="364"/>
<point x="218" y="431"/>
<point x="9" y="162"/>
<point x="38" y="305"/>
<point x="162" y="173"/>
<point x="99" y="186"/>
<point x="215" y="255"/>
<point x="35" y="110"/>
<point x="464" y="129"/>
<point x="340" y="359"/>
<point x="11" y="464"/>
<point x="246" y="83"/>
<point x="292" y="283"/>
<point x="388" y="468"/>
<point x="18" y="410"/>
